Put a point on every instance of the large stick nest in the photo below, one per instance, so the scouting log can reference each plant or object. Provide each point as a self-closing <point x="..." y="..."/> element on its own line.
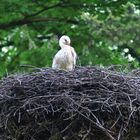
<point x="85" y="104"/>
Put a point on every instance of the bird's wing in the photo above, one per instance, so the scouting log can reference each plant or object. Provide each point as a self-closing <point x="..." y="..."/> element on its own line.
<point x="74" y="56"/>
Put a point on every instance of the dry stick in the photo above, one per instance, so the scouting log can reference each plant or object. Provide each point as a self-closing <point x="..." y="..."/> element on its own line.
<point x="88" y="131"/>
<point x="31" y="66"/>
<point x="98" y="124"/>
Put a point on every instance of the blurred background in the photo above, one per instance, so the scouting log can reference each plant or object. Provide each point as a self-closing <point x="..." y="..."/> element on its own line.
<point x="103" y="32"/>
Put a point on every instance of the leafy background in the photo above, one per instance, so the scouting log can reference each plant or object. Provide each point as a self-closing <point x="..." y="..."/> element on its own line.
<point x="103" y="32"/>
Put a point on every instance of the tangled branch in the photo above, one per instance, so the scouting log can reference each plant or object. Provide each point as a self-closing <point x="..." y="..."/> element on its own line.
<point x="87" y="103"/>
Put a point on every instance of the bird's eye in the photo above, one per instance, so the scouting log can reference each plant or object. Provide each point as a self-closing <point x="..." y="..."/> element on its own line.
<point x="65" y="40"/>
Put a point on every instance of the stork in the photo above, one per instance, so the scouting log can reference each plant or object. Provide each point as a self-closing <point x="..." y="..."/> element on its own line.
<point x="65" y="58"/>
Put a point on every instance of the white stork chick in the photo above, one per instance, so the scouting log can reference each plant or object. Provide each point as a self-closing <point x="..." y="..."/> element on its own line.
<point x="65" y="59"/>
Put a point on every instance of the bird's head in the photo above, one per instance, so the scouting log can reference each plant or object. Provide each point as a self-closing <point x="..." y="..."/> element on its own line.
<point x="64" y="41"/>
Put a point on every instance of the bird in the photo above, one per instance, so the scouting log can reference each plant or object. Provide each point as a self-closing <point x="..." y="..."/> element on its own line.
<point x="65" y="58"/>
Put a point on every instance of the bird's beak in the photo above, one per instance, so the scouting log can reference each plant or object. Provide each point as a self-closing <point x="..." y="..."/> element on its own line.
<point x="67" y="43"/>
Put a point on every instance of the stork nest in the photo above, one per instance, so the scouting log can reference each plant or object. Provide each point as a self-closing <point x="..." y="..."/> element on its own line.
<point x="85" y="104"/>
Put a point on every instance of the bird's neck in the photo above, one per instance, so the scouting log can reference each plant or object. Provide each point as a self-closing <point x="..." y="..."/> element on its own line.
<point x="66" y="47"/>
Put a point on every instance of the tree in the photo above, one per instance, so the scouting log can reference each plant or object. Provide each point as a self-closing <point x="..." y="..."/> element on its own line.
<point x="103" y="32"/>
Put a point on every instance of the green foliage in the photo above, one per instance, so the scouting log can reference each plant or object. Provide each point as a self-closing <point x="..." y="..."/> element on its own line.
<point x="103" y="32"/>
